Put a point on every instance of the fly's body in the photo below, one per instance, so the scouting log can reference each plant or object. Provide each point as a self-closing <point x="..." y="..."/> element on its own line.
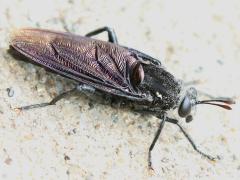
<point x="103" y="65"/>
<point x="112" y="69"/>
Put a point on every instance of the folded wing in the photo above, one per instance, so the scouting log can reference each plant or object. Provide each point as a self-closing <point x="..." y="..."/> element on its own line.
<point x="100" y="64"/>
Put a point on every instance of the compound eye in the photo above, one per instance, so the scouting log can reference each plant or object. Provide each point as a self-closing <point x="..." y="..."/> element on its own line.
<point x="185" y="107"/>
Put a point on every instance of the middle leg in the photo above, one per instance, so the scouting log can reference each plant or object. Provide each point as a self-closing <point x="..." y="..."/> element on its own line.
<point x="154" y="141"/>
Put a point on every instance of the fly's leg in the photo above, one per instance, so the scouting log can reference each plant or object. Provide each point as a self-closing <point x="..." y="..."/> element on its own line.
<point x="86" y="89"/>
<point x="161" y="125"/>
<point x="111" y="34"/>
<point x="52" y="102"/>
<point x="145" y="109"/>
<point x="81" y="87"/>
<point x="174" y="121"/>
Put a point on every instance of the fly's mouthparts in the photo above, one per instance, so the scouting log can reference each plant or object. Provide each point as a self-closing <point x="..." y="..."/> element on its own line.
<point x="223" y="103"/>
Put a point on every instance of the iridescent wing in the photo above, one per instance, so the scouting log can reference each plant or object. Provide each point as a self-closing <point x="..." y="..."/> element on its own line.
<point x="103" y="65"/>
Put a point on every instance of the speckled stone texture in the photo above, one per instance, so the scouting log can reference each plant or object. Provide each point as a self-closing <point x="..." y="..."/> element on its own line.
<point x="82" y="139"/>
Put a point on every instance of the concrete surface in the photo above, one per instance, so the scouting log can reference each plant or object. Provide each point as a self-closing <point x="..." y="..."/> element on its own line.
<point x="81" y="139"/>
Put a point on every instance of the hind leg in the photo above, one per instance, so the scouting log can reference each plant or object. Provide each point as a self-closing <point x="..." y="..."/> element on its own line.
<point x="81" y="87"/>
<point x="112" y="37"/>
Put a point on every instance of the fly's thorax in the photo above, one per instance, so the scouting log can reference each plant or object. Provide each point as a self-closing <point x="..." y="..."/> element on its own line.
<point x="163" y="86"/>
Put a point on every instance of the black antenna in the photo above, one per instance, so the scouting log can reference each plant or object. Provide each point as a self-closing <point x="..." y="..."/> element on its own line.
<point x="217" y="102"/>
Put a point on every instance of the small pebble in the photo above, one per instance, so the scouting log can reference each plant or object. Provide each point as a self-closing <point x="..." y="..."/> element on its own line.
<point x="114" y="117"/>
<point x="220" y="62"/>
<point x="66" y="158"/>
<point x="91" y="105"/>
<point x="10" y="92"/>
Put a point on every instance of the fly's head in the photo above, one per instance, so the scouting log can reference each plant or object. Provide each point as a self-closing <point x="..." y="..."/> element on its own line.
<point x="189" y="101"/>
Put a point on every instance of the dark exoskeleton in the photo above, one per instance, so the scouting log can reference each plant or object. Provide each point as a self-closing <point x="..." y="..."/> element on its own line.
<point x="113" y="69"/>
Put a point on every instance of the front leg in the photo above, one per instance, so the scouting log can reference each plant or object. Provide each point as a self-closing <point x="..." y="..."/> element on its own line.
<point x="174" y="121"/>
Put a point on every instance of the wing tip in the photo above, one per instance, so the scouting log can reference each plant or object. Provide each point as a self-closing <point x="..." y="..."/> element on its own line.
<point x="16" y="35"/>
